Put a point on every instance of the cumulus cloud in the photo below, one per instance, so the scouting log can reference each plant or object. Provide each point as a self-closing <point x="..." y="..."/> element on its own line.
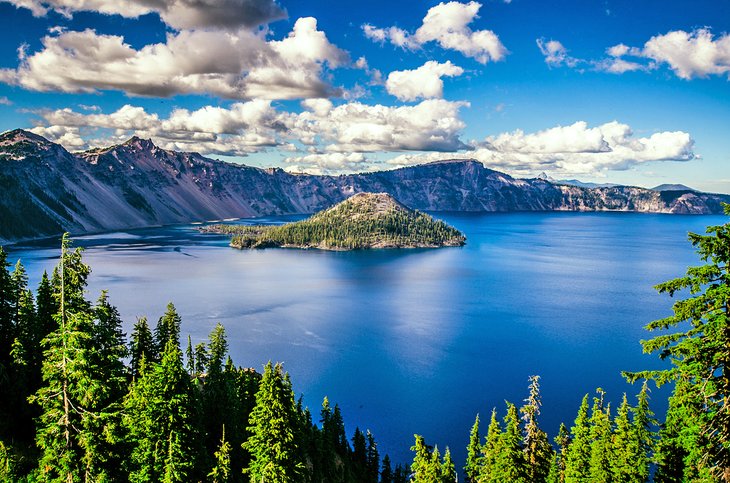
<point x="688" y="54"/>
<point x="4" y="101"/>
<point x="244" y="65"/>
<point x="421" y="83"/>
<point x="326" y="163"/>
<point x="254" y="126"/>
<point x="555" y="53"/>
<point x="691" y="54"/>
<point x="179" y="14"/>
<point x="446" y="24"/>
<point x="569" y="150"/>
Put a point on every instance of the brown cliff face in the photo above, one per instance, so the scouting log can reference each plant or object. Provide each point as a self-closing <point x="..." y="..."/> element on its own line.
<point x="45" y="190"/>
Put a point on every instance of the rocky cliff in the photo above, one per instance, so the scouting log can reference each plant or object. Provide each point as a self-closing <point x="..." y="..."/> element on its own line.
<point x="45" y="190"/>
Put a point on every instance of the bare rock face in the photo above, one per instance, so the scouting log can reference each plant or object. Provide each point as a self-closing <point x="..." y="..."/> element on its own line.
<point x="45" y="190"/>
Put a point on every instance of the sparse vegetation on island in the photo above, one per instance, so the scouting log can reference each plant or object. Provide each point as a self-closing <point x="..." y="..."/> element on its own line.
<point x="366" y="220"/>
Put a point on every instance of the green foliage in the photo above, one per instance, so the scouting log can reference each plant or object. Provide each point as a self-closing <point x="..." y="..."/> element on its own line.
<point x="600" y="434"/>
<point x="363" y="221"/>
<point x="473" y="453"/>
<point x="160" y="419"/>
<point x="537" y="449"/>
<point x="142" y="348"/>
<point x="699" y="352"/>
<point x="221" y="472"/>
<point x="578" y="457"/>
<point x="272" y="443"/>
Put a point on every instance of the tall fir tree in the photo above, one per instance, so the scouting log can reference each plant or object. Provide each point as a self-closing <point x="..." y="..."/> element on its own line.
<point x="448" y="470"/>
<point x="601" y="434"/>
<point x="622" y="470"/>
<point x="386" y="472"/>
<point x="167" y="328"/>
<point x="473" y="453"/>
<point x="700" y="350"/>
<point x="643" y="439"/>
<point x="578" y="458"/>
<point x="491" y="449"/>
<point x="160" y="420"/>
<point x="510" y="462"/>
<point x="373" y="459"/>
<point x="538" y="452"/>
<point x="221" y="472"/>
<point x="142" y="347"/>
<point x="272" y="423"/>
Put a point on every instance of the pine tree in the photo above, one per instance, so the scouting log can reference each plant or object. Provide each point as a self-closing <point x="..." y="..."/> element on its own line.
<point x="562" y="440"/>
<point x="600" y="434"/>
<point x="538" y="452"/>
<point x="578" y="458"/>
<point x="386" y="473"/>
<point x="359" y="456"/>
<point x="621" y="464"/>
<point x="510" y="461"/>
<point x="221" y="472"/>
<point x="373" y="459"/>
<point x="7" y="336"/>
<point x="642" y="436"/>
<point x="167" y="328"/>
<point x="159" y="417"/>
<point x="142" y="347"/>
<point x="421" y="465"/>
<point x="473" y="453"/>
<point x="491" y="449"/>
<point x="272" y="423"/>
<point x="700" y="351"/>
<point x="448" y="470"/>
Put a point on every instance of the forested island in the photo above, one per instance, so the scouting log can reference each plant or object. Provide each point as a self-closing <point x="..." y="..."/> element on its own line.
<point x="81" y="403"/>
<point x="365" y="220"/>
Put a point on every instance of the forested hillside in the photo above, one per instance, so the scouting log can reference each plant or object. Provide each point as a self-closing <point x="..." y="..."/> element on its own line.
<point x="365" y="220"/>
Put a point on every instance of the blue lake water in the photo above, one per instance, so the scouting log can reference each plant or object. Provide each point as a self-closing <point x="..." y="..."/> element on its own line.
<point x="416" y="341"/>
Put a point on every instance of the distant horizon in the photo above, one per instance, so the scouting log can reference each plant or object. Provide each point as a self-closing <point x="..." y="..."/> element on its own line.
<point x="602" y="92"/>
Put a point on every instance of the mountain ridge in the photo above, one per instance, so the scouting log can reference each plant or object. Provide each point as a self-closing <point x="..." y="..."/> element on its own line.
<point x="46" y="190"/>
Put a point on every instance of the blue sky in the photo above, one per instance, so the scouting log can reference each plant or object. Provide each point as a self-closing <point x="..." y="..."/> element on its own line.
<point x="609" y="91"/>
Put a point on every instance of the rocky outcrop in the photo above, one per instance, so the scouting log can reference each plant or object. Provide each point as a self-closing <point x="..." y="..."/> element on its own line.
<point x="45" y="190"/>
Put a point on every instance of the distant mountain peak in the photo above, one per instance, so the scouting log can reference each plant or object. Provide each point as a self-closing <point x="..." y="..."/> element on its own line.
<point x="139" y="143"/>
<point x="546" y="177"/>
<point x="19" y="135"/>
<point x="672" y="187"/>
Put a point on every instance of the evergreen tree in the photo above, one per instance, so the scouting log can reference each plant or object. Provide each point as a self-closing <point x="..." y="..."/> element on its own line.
<point x="699" y="351"/>
<point x="642" y="436"/>
<point x="448" y="470"/>
<point x="562" y="440"/>
<point x="578" y="458"/>
<point x="221" y="472"/>
<point x="142" y="347"/>
<point x="168" y="328"/>
<point x="46" y="307"/>
<point x="538" y="452"/>
<point x="491" y="449"/>
<point x="621" y="464"/>
<point x="510" y="461"/>
<point x="473" y="453"/>
<point x="160" y="420"/>
<point x="421" y="466"/>
<point x="271" y="442"/>
<point x="600" y="434"/>
<point x="386" y="473"/>
<point x="358" y="459"/>
<point x="7" y="336"/>
<point x="373" y="459"/>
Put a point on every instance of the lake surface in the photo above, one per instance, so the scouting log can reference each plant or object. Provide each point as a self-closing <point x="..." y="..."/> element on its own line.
<point x="416" y="341"/>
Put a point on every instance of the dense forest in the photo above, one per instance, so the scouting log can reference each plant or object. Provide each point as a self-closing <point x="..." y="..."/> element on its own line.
<point x="80" y="403"/>
<point x="365" y="220"/>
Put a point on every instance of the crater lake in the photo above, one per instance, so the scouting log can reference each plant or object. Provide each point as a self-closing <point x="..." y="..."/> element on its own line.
<point x="415" y="340"/>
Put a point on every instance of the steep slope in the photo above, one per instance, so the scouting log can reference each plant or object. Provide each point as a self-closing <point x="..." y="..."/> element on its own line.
<point x="365" y="220"/>
<point x="45" y="190"/>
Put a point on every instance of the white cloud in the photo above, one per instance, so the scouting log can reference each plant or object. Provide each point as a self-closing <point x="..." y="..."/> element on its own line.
<point x="555" y="53"/>
<point x="691" y="54"/>
<point x="4" y="101"/>
<point x="253" y="126"/>
<point x="569" y="150"/>
<point x="421" y="83"/>
<point x="179" y="14"/>
<point x="326" y="163"/>
<point x="447" y="24"/>
<point x="244" y="65"/>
